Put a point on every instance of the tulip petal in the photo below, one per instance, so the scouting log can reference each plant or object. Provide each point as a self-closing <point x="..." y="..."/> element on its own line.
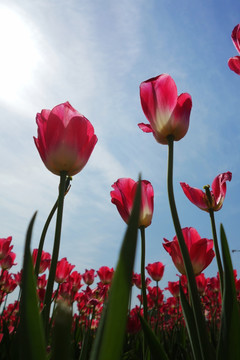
<point x="196" y="196"/>
<point x="181" y="116"/>
<point x="236" y="37"/>
<point x="145" y="127"/>
<point x="219" y="188"/>
<point x="234" y="64"/>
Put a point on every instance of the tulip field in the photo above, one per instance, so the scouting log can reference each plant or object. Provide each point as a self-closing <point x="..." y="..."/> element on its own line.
<point x="63" y="312"/>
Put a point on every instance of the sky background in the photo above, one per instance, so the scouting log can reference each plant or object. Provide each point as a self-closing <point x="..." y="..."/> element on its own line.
<point x="95" y="54"/>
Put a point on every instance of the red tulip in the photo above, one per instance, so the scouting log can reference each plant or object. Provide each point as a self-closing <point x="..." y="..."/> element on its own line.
<point x="173" y="287"/>
<point x="123" y="197"/>
<point x="65" y="140"/>
<point x="218" y="192"/>
<point x="45" y="260"/>
<point x="63" y="270"/>
<point x="234" y="62"/>
<point x="155" y="270"/>
<point x="5" y="246"/>
<point x="8" y="261"/>
<point x="200" y="251"/>
<point x="88" y="276"/>
<point x="105" y="274"/>
<point x="167" y="112"/>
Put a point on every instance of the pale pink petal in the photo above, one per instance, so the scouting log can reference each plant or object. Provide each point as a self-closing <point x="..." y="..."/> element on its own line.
<point x="145" y="127"/>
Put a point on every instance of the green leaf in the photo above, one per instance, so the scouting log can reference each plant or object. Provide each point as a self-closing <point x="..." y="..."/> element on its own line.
<point x="229" y="344"/>
<point x="111" y="332"/>
<point x="155" y="347"/>
<point x="191" y="325"/>
<point x="31" y="336"/>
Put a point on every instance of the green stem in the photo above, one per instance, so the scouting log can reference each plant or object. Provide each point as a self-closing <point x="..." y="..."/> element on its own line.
<point x="144" y="297"/>
<point x="195" y="301"/>
<point x="42" y="239"/>
<point x="217" y="252"/>
<point x="45" y="229"/>
<point x="56" y="246"/>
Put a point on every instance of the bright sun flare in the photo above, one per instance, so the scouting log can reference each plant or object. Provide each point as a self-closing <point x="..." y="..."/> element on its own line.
<point x="19" y="55"/>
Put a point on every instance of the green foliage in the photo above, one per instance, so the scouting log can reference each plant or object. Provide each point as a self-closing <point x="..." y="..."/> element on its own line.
<point x="31" y="336"/>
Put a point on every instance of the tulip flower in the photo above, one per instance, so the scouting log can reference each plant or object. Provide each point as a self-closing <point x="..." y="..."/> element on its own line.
<point x="200" y="251"/>
<point x="123" y="197"/>
<point x="167" y="112"/>
<point x="63" y="270"/>
<point x="105" y="274"/>
<point x="45" y="260"/>
<point x="88" y="276"/>
<point x="5" y="247"/>
<point x="155" y="270"/>
<point x="65" y="139"/>
<point x="218" y="192"/>
<point x="234" y="62"/>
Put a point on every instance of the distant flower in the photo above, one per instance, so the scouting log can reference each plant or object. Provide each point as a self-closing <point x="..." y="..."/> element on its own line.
<point x="105" y="274"/>
<point x="137" y="280"/>
<point x="45" y="260"/>
<point x="173" y="287"/>
<point x="218" y="192"/>
<point x="65" y="139"/>
<point x="167" y="112"/>
<point x="123" y="197"/>
<point x="88" y="276"/>
<point x="155" y="270"/>
<point x="200" y="251"/>
<point x="8" y="261"/>
<point x="5" y="246"/>
<point x="63" y="270"/>
<point x="234" y="62"/>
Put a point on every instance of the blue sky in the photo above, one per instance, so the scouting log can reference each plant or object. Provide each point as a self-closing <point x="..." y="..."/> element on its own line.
<point x="95" y="54"/>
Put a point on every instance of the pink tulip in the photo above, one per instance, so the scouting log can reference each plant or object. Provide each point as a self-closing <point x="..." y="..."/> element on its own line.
<point x="123" y="197"/>
<point x="65" y="139"/>
<point x="200" y="251"/>
<point x="234" y="62"/>
<point x="155" y="270"/>
<point x="218" y="192"/>
<point x="63" y="270"/>
<point x="5" y="246"/>
<point x="45" y="260"/>
<point x="105" y="274"/>
<point x="167" y="112"/>
<point x="88" y="276"/>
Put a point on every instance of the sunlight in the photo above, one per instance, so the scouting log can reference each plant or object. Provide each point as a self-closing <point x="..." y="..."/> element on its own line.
<point x="19" y="55"/>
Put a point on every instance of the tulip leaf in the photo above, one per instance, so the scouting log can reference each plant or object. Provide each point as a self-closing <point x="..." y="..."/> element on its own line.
<point x="191" y="325"/>
<point x="229" y="344"/>
<point x="112" y="328"/>
<point x="31" y="335"/>
<point x="155" y="347"/>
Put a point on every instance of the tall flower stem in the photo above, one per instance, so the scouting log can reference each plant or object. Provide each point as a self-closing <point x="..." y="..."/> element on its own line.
<point x="56" y="246"/>
<point x="215" y="240"/>
<point x="144" y="297"/>
<point x="195" y="300"/>
<point x="45" y="228"/>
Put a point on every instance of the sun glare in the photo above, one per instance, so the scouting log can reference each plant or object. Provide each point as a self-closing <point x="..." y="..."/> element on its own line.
<point x="19" y="54"/>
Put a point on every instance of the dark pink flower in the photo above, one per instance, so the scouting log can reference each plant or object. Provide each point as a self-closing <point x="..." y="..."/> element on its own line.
<point x="88" y="276"/>
<point x="5" y="246"/>
<point x="63" y="270"/>
<point x="218" y="192"/>
<point x="45" y="260"/>
<point x="123" y="197"/>
<point x="105" y="274"/>
<point x="200" y="251"/>
<point x="155" y="270"/>
<point x="167" y="113"/>
<point x="65" y="139"/>
<point x="234" y="62"/>
<point x="8" y="261"/>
